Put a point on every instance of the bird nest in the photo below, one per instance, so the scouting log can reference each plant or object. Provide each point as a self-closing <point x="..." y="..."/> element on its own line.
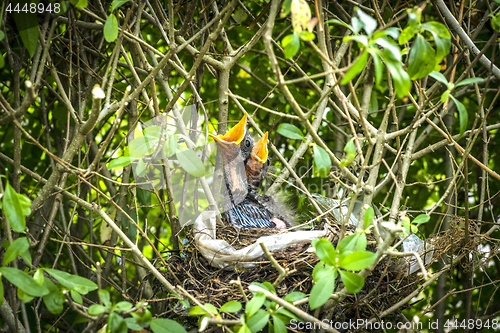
<point x="389" y="283"/>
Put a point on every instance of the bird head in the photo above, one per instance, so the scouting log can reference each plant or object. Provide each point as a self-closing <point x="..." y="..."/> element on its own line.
<point x="235" y="147"/>
<point x="256" y="166"/>
<point x="235" y="141"/>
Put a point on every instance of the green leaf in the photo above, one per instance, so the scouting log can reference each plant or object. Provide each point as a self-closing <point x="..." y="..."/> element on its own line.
<point x="162" y="325"/>
<point x="196" y="311"/>
<point x="321" y="161"/>
<point x="462" y="114"/>
<point x="25" y="204"/>
<point x="269" y="287"/>
<point x="401" y="80"/>
<point x="362" y="40"/>
<point x="120" y="162"/>
<point x="2" y="61"/>
<point x="79" y="3"/>
<point x="261" y="285"/>
<point x="445" y="96"/>
<point x="76" y="297"/>
<point x="27" y="25"/>
<point x="80" y="284"/>
<point x="143" y="317"/>
<point x="258" y="321"/>
<point x="26" y="298"/>
<point x="1" y="292"/>
<point x="378" y="66"/>
<point x="442" y="38"/>
<point x="286" y="8"/>
<point x="353" y="282"/>
<point x="469" y="81"/>
<point x="140" y="169"/>
<point x="357" y="25"/>
<point x="295" y="296"/>
<point x="38" y="276"/>
<point x="231" y="307"/>
<point x="55" y="299"/>
<point x="122" y="306"/>
<point x="116" y="323"/>
<point x="111" y="28"/>
<point x="321" y="270"/>
<point x="350" y="153"/>
<point x="190" y="162"/>
<point x="170" y="146"/>
<point x="13" y="209"/>
<point x="244" y="329"/>
<point x="369" y="23"/>
<point x="306" y="36"/>
<point x="438" y="77"/>
<point x="347" y="243"/>
<point x="421" y="218"/>
<point x="17" y="247"/>
<point x="117" y="3"/>
<point x="341" y="23"/>
<point x="132" y="324"/>
<point x="406" y="34"/>
<point x="358" y="260"/>
<point x="186" y="138"/>
<point x="105" y="297"/>
<point x="96" y="309"/>
<point x="139" y="147"/>
<point x="279" y="325"/>
<point x="361" y="242"/>
<point x="495" y="22"/>
<point x="391" y="49"/>
<point x="211" y="308"/>
<point x="369" y="215"/>
<point x="321" y="291"/>
<point x="292" y="46"/>
<point x="285" y="314"/>
<point x="325" y="251"/>
<point x="254" y="304"/>
<point x="290" y="131"/>
<point x="422" y="59"/>
<point x="23" y="281"/>
<point x="355" y="68"/>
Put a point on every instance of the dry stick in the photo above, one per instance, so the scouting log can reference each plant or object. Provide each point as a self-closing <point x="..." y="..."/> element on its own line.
<point x="462" y="150"/>
<point x="240" y="287"/>
<point x="283" y="115"/>
<point x="291" y="308"/>
<point x="206" y="321"/>
<point x="283" y="272"/>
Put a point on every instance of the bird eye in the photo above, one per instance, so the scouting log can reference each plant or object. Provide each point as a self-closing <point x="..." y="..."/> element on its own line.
<point x="247" y="143"/>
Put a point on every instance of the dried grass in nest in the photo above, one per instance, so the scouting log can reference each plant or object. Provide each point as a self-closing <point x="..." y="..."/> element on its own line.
<point x="452" y="241"/>
<point x="384" y="287"/>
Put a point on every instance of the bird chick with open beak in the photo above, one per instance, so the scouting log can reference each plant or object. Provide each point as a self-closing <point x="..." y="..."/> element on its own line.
<point x="235" y="148"/>
<point x="256" y="168"/>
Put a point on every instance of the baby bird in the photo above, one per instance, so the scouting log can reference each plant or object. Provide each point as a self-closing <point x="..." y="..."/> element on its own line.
<point x="235" y="147"/>
<point x="256" y="169"/>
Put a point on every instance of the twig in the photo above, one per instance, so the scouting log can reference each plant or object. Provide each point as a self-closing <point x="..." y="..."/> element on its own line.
<point x="283" y="272"/>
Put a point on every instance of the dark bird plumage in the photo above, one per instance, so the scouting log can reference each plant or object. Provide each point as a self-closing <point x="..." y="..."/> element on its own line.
<point x="254" y="210"/>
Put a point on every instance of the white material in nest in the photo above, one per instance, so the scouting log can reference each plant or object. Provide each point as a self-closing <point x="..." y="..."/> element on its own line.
<point x="222" y="255"/>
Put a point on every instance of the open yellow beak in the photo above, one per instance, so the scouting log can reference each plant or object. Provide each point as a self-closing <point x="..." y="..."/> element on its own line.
<point x="260" y="149"/>
<point x="234" y="135"/>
